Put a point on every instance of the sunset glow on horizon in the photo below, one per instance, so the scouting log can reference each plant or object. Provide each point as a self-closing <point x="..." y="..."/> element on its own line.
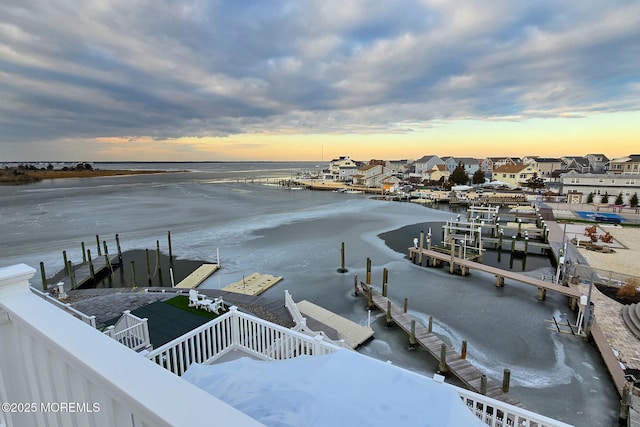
<point x="213" y="81"/>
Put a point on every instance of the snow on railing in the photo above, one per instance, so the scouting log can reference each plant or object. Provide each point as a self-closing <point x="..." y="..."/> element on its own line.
<point x="236" y="331"/>
<point x="131" y="331"/>
<point x="89" y="320"/>
<point x="59" y="372"/>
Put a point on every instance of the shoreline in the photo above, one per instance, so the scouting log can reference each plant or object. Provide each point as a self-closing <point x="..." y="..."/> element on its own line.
<point x="34" y="176"/>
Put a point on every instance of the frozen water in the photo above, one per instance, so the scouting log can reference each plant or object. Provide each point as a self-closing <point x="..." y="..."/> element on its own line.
<point x="297" y="235"/>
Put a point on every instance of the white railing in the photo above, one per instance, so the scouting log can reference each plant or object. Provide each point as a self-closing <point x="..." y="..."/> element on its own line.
<point x="131" y="331"/>
<point x="89" y="320"/>
<point x="63" y="372"/>
<point x="495" y="413"/>
<point x="298" y="318"/>
<point x="236" y="331"/>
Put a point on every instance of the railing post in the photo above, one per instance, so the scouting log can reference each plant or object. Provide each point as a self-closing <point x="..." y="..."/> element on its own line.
<point x="234" y="321"/>
<point x="316" y="345"/>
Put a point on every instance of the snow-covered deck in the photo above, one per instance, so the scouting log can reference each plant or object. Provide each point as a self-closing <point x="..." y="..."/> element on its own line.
<point x="51" y="358"/>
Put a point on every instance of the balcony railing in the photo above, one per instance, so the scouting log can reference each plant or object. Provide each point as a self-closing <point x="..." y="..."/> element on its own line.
<point x="131" y="331"/>
<point x="236" y="331"/>
<point x="58" y="371"/>
<point x="239" y="331"/>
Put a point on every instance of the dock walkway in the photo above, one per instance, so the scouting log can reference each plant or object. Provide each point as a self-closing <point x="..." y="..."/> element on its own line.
<point x="200" y="274"/>
<point x="82" y="272"/>
<point x="461" y="368"/>
<point x="571" y="291"/>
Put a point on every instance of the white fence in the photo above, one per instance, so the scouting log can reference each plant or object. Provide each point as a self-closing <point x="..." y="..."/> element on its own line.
<point x="57" y="371"/>
<point x="131" y="331"/>
<point x="236" y="331"/>
<point x="89" y="320"/>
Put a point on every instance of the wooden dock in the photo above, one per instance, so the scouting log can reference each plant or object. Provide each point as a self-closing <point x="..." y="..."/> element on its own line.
<point x="609" y="359"/>
<point x="459" y="367"/>
<point x="570" y="291"/>
<point x="352" y="333"/>
<point x="83" y="275"/>
<point x="200" y="274"/>
<point x="254" y="284"/>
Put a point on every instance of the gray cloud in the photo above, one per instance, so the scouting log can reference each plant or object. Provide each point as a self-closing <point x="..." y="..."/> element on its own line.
<point x="196" y="67"/>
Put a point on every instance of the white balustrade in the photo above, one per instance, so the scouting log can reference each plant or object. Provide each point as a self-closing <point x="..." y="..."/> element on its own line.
<point x="89" y="320"/>
<point x="236" y="331"/>
<point x="131" y="331"/>
<point x="495" y="413"/>
<point x="69" y="373"/>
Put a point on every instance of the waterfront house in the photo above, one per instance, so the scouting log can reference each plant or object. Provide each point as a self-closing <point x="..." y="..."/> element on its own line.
<point x="546" y="166"/>
<point x="579" y="186"/>
<point x="470" y="165"/>
<point x="343" y="168"/>
<point x="425" y="164"/>
<point x="371" y="176"/>
<point x="488" y="164"/>
<point x="515" y="175"/>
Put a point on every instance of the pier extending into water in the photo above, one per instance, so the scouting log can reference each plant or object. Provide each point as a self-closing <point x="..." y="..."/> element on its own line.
<point x="466" y="265"/>
<point x="449" y="360"/>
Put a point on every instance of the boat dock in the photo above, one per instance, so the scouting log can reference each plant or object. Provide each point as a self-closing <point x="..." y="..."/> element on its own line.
<point x="543" y="286"/>
<point x="87" y="272"/>
<point x="254" y="284"/>
<point x="200" y="274"/>
<point x="352" y="333"/>
<point x="453" y="362"/>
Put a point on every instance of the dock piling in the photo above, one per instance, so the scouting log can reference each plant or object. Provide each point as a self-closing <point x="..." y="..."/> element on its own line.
<point x="72" y="275"/>
<point x="483" y="384"/>
<point x="355" y="285"/>
<point x="342" y="269"/>
<point x="368" y="271"/>
<point x="170" y="251"/>
<point x="421" y="246"/>
<point x="430" y="328"/>
<point x="412" y="335"/>
<point x="98" y="245"/>
<point x="442" y="367"/>
<point x="43" y="276"/>
<point x="84" y="253"/>
<point x="463" y="351"/>
<point x="133" y="274"/>
<point x="406" y="305"/>
<point x="119" y="249"/>
<point x="389" y="318"/>
<point x="506" y="379"/>
<point x="92" y="273"/>
<point x="64" y="258"/>
<point x="146" y="254"/>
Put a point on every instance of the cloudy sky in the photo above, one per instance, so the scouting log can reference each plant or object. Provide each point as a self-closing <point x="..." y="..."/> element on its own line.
<point x="312" y="80"/>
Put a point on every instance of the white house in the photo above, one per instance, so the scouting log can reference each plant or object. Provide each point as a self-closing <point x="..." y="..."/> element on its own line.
<point x="343" y="168"/>
<point x="579" y="186"/>
<point x="425" y="164"/>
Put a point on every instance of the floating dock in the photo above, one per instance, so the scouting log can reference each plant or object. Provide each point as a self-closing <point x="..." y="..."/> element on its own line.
<point x="200" y="274"/>
<point x="254" y="284"/>
<point x="352" y="333"/>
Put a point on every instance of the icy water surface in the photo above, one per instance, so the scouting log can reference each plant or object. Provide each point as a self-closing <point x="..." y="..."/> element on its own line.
<point x="297" y="235"/>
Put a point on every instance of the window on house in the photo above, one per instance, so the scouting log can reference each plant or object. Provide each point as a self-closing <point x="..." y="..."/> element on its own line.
<point x="512" y="175"/>
<point x="523" y="175"/>
<point x="504" y="175"/>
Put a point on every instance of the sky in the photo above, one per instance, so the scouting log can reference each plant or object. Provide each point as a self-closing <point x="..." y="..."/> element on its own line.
<point x="196" y="80"/>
